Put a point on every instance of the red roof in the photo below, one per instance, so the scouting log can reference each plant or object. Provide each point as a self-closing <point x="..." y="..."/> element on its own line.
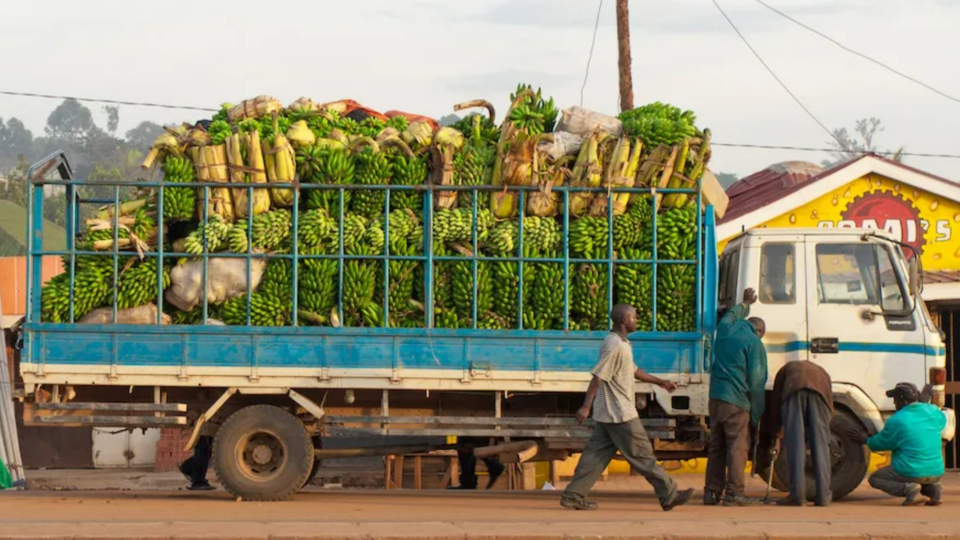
<point x="777" y="181"/>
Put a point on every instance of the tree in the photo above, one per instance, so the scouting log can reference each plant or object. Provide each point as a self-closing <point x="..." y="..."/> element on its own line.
<point x="726" y="179"/>
<point x="142" y="136"/>
<point x="846" y="146"/>
<point x="15" y="140"/>
<point x="113" y="118"/>
<point x="448" y="120"/>
<point x="70" y="121"/>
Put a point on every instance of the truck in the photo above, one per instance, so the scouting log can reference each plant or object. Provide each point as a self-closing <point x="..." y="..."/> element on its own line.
<point x="848" y="299"/>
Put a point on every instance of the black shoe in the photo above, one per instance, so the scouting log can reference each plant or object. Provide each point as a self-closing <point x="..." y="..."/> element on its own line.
<point x="495" y="473"/>
<point x="463" y="487"/>
<point x="790" y="501"/>
<point x="680" y="498"/>
<point x="933" y="493"/>
<point x="912" y="499"/>
<point x="184" y="471"/>
<point x="710" y="498"/>
<point x="203" y="486"/>
<point x="739" y="500"/>
<point x="582" y="504"/>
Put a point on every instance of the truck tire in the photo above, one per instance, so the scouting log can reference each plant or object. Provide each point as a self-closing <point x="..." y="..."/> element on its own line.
<point x="262" y="453"/>
<point x="848" y="461"/>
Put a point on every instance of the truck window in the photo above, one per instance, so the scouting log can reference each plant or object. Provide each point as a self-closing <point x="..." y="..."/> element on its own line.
<point x="847" y="274"/>
<point x="727" y="290"/>
<point x="778" y="283"/>
<point x="891" y="291"/>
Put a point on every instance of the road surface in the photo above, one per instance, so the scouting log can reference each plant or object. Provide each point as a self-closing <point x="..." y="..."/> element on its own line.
<point x="440" y="515"/>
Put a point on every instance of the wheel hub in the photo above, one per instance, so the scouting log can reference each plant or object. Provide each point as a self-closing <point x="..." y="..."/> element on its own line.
<point x="262" y="455"/>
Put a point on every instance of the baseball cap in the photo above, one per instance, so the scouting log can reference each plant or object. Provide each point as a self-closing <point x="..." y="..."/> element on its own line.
<point x="905" y="390"/>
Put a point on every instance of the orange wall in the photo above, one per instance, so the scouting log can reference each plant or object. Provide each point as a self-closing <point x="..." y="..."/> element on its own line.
<point x="13" y="282"/>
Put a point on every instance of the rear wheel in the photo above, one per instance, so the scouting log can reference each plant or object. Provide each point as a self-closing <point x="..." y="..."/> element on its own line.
<point x="262" y="453"/>
<point x="848" y="461"/>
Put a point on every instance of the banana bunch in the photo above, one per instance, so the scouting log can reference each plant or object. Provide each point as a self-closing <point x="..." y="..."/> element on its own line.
<point x="634" y="285"/>
<point x="533" y="115"/>
<point x="277" y="281"/>
<point x="502" y="240"/>
<point x="359" y="292"/>
<point x="589" y="236"/>
<point x="445" y="315"/>
<point x="372" y="168"/>
<point x="676" y="301"/>
<point x="402" y="291"/>
<point x="547" y="295"/>
<point x="178" y="203"/>
<point x="659" y="123"/>
<point x="506" y="292"/>
<point x="371" y="126"/>
<point x="399" y="123"/>
<point x="219" y="130"/>
<point x="690" y="165"/>
<point x="137" y="285"/>
<point x="317" y="280"/>
<point x="456" y="225"/>
<point x="330" y="166"/>
<point x="544" y="235"/>
<point x="265" y="310"/>
<point x="463" y="287"/>
<point x="473" y="165"/>
<point x="621" y="169"/>
<point x="677" y="234"/>
<point x="588" y="294"/>
<point x="216" y="231"/>
<point x="628" y="227"/>
<point x="271" y="229"/>
<point x="316" y="227"/>
<point x="354" y="229"/>
<point x="92" y="289"/>
<point x="408" y="171"/>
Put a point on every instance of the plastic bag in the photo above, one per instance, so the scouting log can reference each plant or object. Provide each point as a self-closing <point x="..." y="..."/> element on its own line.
<point x="563" y="144"/>
<point x="145" y="314"/>
<point x="582" y="122"/>
<point x="226" y="279"/>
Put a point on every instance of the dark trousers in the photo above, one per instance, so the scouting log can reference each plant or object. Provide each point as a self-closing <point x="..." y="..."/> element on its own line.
<point x="890" y="482"/>
<point x="729" y="448"/>
<point x="196" y="466"/>
<point x="468" y="467"/>
<point x="806" y="419"/>
<point x="630" y="438"/>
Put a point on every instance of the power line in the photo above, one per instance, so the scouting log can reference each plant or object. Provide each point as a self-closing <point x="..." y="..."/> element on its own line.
<point x="861" y="55"/>
<point x="774" y="75"/>
<point x="593" y="43"/>
<point x="110" y="101"/>
<point x="810" y="149"/>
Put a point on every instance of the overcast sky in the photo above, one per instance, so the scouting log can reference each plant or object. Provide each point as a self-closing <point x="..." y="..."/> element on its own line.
<point x="424" y="56"/>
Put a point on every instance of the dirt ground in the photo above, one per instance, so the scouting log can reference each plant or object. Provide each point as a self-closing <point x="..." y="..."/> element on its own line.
<point x="628" y="509"/>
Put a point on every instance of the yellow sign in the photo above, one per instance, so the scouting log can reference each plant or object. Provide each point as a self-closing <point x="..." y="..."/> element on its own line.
<point x="926" y="221"/>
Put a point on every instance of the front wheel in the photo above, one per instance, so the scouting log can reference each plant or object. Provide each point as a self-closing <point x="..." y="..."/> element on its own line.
<point x="848" y="461"/>
<point x="262" y="453"/>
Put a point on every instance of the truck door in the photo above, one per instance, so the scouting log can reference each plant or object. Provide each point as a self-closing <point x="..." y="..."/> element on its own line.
<point x="851" y="284"/>
<point x="775" y="268"/>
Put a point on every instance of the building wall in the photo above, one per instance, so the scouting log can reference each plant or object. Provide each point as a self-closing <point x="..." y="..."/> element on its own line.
<point x="13" y="285"/>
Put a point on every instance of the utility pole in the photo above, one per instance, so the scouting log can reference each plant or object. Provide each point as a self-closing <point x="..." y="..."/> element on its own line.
<point x="623" y="44"/>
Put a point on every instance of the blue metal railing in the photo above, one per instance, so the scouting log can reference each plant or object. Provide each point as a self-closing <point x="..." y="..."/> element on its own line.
<point x="428" y="258"/>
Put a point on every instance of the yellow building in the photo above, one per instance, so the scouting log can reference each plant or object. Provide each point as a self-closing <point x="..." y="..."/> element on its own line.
<point x="920" y="209"/>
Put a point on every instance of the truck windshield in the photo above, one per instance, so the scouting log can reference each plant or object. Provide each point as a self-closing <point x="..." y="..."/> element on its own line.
<point x="860" y="274"/>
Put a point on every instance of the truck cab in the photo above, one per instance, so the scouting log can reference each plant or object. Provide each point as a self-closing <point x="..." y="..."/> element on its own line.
<point x="849" y="300"/>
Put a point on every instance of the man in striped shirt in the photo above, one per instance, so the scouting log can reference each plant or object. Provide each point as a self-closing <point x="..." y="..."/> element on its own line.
<point x="611" y="397"/>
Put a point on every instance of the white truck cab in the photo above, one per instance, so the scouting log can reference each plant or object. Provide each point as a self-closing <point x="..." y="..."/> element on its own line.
<point x="849" y="300"/>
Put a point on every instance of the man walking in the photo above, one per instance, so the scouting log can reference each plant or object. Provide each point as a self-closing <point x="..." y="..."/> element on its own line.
<point x="912" y="434"/>
<point x="612" y="399"/>
<point x="738" y="379"/>
<point x="802" y="405"/>
<point x="468" y="465"/>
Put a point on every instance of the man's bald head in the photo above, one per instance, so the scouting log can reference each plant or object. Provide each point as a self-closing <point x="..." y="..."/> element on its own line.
<point x="624" y="317"/>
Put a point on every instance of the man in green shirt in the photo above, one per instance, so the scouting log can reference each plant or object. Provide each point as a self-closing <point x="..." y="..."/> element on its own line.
<point x="738" y="379"/>
<point x="912" y="434"/>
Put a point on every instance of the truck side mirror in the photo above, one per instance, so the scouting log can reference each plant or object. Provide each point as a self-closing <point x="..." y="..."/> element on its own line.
<point x="914" y="277"/>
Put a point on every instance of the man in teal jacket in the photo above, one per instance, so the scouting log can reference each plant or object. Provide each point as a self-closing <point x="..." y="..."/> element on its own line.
<point x="738" y="379"/>
<point x="912" y="434"/>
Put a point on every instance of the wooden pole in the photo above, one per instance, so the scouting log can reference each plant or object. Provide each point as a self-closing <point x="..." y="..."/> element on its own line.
<point x="623" y="45"/>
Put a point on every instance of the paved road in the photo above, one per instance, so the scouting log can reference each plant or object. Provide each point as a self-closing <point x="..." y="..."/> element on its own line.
<point x="442" y="515"/>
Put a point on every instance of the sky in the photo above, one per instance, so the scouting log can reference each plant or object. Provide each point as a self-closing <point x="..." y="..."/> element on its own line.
<point x="424" y="56"/>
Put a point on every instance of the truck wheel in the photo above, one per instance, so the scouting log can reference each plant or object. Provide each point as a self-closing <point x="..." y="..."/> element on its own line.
<point x="848" y="461"/>
<point x="262" y="453"/>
